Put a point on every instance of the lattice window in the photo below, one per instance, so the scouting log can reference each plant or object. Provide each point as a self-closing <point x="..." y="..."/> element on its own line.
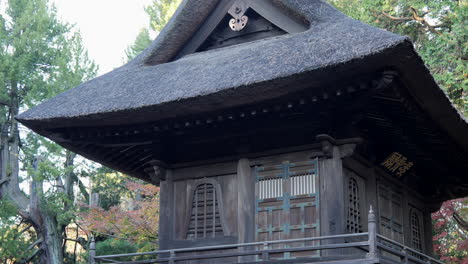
<point x="205" y="219"/>
<point x="416" y="241"/>
<point x="353" y="221"/>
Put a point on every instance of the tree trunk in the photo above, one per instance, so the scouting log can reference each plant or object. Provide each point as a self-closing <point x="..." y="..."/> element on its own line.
<point x="45" y="224"/>
<point x="35" y="209"/>
<point x="52" y="245"/>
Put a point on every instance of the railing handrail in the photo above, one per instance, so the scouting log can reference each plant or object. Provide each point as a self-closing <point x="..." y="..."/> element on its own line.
<point x="374" y="247"/>
<point x="408" y="248"/>
<point x="271" y="242"/>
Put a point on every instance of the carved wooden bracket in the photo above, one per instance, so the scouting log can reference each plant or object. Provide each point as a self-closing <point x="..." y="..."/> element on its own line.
<point x="346" y="146"/>
<point x="327" y="144"/>
<point x="156" y="170"/>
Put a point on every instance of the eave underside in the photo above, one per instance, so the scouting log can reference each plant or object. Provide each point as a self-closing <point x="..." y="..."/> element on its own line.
<point x="386" y="117"/>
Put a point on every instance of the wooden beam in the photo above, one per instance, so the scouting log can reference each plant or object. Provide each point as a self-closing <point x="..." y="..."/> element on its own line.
<point x="276" y="16"/>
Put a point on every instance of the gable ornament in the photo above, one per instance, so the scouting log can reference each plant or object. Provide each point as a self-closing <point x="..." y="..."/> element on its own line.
<point x="239" y="20"/>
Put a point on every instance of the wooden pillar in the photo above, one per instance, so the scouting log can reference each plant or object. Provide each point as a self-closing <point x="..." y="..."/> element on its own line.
<point x="426" y="235"/>
<point x="332" y="207"/>
<point x="332" y="188"/>
<point x="245" y="204"/>
<point x="166" y="214"/>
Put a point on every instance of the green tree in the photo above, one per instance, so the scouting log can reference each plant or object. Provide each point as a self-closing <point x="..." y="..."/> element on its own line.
<point x="438" y="30"/>
<point x="142" y="41"/>
<point x="39" y="57"/>
<point x="159" y="12"/>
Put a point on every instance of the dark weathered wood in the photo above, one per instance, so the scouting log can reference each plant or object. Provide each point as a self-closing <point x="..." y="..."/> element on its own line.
<point x="224" y="9"/>
<point x="427" y="235"/>
<point x="214" y="169"/>
<point x="226" y="240"/>
<point x="277" y="16"/>
<point x="332" y="217"/>
<point x="372" y="226"/>
<point x="230" y="200"/>
<point x="245" y="203"/>
<point x="166" y="212"/>
<point x="210" y="24"/>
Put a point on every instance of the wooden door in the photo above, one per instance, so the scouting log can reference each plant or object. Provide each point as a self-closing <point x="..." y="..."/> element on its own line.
<point x="287" y="203"/>
<point x="391" y="212"/>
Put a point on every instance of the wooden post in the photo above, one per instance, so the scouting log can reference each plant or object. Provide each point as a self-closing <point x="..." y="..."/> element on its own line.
<point x="171" y="257"/>
<point x="265" y="254"/>
<point x="166" y="217"/>
<point x="372" y="229"/>
<point x="404" y="258"/>
<point x="245" y="206"/>
<point x="332" y="212"/>
<point x="92" y="251"/>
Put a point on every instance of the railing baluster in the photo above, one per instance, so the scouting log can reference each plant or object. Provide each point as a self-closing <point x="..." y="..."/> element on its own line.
<point x="372" y="230"/>
<point x="265" y="254"/>
<point x="172" y="255"/>
<point x="264" y="249"/>
<point x="92" y="251"/>
<point x="404" y="258"/>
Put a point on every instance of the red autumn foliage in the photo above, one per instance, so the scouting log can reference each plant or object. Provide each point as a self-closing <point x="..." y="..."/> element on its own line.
<point x="450" y="239"/>
<point x="137" y="222"/>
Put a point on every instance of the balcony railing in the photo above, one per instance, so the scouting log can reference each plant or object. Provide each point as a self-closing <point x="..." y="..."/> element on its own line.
<point x="369" y="247"/>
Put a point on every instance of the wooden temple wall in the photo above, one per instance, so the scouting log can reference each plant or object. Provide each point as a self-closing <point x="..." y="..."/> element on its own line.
<point x="287" y="196"/>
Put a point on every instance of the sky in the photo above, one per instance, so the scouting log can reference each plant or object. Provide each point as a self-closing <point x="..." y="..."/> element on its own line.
<point x="108" y="27"/>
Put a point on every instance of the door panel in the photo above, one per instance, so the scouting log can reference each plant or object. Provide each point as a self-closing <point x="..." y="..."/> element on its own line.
<point x="287" y="203"/>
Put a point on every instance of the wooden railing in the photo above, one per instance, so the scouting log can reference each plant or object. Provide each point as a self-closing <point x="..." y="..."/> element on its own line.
<point x="375" y="246"/>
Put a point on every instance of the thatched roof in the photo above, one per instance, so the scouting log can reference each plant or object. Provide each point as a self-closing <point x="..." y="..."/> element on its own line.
<point x="157" y="85"/>
<point x="150" y="83"/>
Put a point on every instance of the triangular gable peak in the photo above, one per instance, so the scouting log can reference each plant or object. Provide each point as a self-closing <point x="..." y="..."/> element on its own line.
<point x="240" y="21"/>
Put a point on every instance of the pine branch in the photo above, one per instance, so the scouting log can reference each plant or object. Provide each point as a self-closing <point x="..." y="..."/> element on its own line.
<point x="5" y="103"/>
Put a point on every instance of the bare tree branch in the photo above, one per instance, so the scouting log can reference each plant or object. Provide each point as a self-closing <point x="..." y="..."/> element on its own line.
<point x="4" y="181"/>
<point x="415" y="17"/>
<point x="31" y="257"/>
<point x="37" y="242"/>
<point x="423" y="21"/>
<point x="397" y="18"/>
<point x="22" y="231"/>
<point x="460" y="221"/>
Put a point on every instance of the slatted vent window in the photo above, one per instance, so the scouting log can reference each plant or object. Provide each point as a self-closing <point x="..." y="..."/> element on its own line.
<point x="303" y="184"/>
<point x="353" y="222"/>
<point x="270" y="188"/>
<point x="415" y="231"/>
<point x="205" y="221"/>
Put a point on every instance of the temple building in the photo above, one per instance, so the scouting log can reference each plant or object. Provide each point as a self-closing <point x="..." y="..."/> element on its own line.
<point x="272" y="127"/>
